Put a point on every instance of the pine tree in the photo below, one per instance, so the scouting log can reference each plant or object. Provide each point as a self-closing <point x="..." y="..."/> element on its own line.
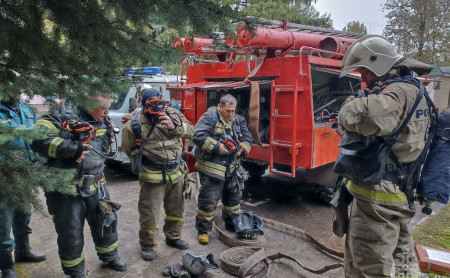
<point x="70" y="49"/>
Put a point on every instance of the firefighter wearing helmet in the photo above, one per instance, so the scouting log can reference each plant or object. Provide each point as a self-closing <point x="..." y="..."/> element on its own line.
<point x="378" y="228"/>
<point x="163" y="176"/>
<point x="78" y="139"/>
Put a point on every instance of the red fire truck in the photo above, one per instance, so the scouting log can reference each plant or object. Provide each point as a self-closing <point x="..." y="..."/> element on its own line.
<point x="286" y="81"/>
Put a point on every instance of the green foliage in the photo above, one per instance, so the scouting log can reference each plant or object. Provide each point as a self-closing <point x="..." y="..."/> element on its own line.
<point x="71" y="49"/>
<point x="21" y="179"/>
<point x="356" y="27"/>
<point x="419" y="29"/>
<point x="300" y="12"/>
<point x="55" y="48"/>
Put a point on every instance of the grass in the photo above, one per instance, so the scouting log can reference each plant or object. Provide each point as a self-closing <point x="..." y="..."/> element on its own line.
<point x="435" y="230"/>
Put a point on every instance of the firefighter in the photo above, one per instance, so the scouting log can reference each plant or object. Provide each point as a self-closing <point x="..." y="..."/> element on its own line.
<point x="378" y="242"/>
<point x="217" y="163"/>
<point x="15" y="113"/>
<point x="163" y="173"/>
<point x="79" y="138"/>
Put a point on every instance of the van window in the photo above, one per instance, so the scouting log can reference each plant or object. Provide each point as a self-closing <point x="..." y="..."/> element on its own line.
<point x="116" y="105"/>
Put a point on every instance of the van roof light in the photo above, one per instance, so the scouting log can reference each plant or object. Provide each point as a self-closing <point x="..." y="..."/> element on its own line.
<point x="144" y="70"/>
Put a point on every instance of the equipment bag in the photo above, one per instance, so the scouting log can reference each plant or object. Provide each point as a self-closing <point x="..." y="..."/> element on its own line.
<point x="366" y="166"/>
<point x="136" y="154"/>
<point x="434" y="184"/>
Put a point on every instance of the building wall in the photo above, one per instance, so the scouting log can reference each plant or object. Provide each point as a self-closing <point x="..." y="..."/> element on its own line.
<point x="442" y="95"/>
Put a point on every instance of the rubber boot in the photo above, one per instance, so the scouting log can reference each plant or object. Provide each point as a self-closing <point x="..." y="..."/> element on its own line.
<point x="148" y="254"/>
<point x="177" y="243"/>
<point x="340" y="221"/>
<point x="117" y="264"/>
<point x="24" y="253"/>
<point x="7" y="266"/>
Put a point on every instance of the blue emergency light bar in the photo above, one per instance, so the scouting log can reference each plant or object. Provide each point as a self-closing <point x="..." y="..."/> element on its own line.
<point x="144" y="70"/>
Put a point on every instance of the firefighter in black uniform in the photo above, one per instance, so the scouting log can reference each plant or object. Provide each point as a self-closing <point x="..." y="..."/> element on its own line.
<point x="81" y="138"/>
<point x="221" y="138"/>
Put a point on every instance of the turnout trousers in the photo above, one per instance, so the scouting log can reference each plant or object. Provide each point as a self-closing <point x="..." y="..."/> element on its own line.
<point x="151" y="197"/>
<point x="211" y="191"/>
<point x="69" y="214"/>
<point x="11" y="218"/>
<point x="378" y="242"/>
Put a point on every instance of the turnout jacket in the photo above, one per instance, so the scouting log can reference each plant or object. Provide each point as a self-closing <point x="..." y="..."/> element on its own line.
<point x="381" y="115"/>
<point x="207" y="138"/>
<point x="163" y="145"/>
<point x="24" y="117"/>
<point x="62" y="151"/>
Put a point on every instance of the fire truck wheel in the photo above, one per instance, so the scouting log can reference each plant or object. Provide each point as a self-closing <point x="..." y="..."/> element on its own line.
<point x="323" y="194"/>
<point x="256" y="171"/>
<point x="112" y="163"/>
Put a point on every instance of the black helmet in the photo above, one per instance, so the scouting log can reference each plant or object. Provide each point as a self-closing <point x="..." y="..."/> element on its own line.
<point x="152" y="103"/>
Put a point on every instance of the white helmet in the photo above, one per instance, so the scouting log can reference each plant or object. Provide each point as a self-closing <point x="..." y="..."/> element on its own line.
<point x="144" y="86"/>
<point x="372" y="52"/>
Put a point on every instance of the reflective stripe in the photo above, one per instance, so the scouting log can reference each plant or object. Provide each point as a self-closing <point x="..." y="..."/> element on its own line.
<point x="375" y="195"/>
<point x="73" y="263"/>
<point x="209" y="144"/>
<point x="246" y="146"/>
<point x="218" y="128"/>
<point x="203" y="215"/>
<point x="95" y="186"/>
<point x="232" y="210"/>
<point x="5" y="121"/>
<point x="163" y="143"/>
<point x="109" y="249"/>
<point x="100" y="132"/>
<point x="213" y="168"/>
<point x="174" y="219"/>
<point x="151" y="230"/>
<point x="159" y="177"/>
<point x="54" y="146"/>
<point x="48" y="125"/>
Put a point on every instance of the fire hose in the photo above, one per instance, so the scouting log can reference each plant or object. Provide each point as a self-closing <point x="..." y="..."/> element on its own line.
<point x="247" y="257"/>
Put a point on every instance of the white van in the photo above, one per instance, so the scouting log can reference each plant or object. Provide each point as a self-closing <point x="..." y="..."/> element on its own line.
<point x="121" y="109"/>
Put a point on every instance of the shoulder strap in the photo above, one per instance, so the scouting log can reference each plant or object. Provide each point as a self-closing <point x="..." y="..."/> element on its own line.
<point x="136" y="128"/>
<point x="215" y="118"/>
<point x="396" y="133"/>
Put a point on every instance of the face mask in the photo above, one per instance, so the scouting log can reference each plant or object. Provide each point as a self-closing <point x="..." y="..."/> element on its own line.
<point x="155" y="107"/>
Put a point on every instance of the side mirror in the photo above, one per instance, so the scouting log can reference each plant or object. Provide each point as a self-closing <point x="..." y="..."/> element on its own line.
<point x="133" y="104"/>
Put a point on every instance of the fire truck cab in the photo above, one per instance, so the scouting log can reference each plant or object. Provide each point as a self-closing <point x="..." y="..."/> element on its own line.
<point x="286" y="82"/>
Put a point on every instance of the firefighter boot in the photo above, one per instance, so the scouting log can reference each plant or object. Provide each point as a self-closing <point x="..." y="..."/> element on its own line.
<point x="340" y="221"/>
<point x="177" y="243"/>
<point x="7" y="266"/>
<point x="117" y="264"/>
<point x="24" y="253"/>
<point x="148" y="254"/>
<point x="203" y="238"/>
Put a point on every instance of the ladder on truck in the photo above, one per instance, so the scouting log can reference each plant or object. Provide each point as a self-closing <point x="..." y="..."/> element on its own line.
<point x="292" y="145"/>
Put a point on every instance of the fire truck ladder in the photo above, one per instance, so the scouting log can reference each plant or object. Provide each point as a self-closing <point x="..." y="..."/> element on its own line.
<point x="291" y="145"/>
